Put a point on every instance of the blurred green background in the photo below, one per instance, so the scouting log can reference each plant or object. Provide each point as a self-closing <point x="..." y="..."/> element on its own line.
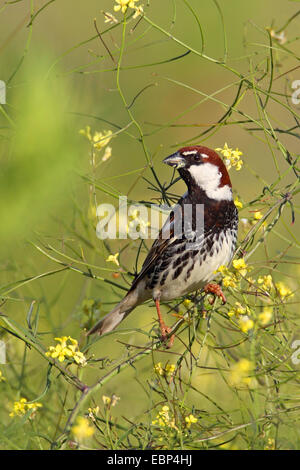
<point x="50" y="80"/>
<point x="59" y="79"/>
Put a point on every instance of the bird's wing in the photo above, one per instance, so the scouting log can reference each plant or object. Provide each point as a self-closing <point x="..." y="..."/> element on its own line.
<point x="167" y="236"/>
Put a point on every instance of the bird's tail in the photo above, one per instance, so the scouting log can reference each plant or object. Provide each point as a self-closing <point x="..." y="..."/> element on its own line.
<point x="113" y="318"/>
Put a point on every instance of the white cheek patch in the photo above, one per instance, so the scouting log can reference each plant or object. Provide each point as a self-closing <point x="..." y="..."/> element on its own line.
<point x="221" y="194"/>
<point x="208" y="177"/>
<point x="206" y="173"/>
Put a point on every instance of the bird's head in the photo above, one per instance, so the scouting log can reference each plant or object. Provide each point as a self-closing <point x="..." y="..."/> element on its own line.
<point x="201" y="167"/>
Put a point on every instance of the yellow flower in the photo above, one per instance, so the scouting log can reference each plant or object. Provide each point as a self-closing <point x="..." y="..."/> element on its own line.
<point x="232" y="157"/>
<point x="233" y="279"/>
<point x="283" y="290"/>
<point x="22" y="406"/>
<point x="99" y="140"/>
<point x="241" y="266"/>
<point x="124" y="4"/>
<point x="238" y="203"/>
<point x="245" y="323"/>
<point x="2" y="378"/>
<point x="265" y="316"/>
<point x="239" y="373"/>
<point x="229" y="279"/>
<point x="159" y="369"/>
<point x="60" y="351"/>
<point x="86" y="132"/>
<point x="106" y="400"/>
<point x="135" y="215"/>
<point x="110" y="401"/>
<point x="82" y="429"/>
<point x="238" y="164"/>
<point x="222" y="269"/>
<point x="79" y="358"/>
<point x="113" y="259"/>
<point x="187" y="303"/>
<point x="169" y="369"/>
<point x="266" y="282"/>
<point x="238" y="310"/>
<point x="93" y="412"/>
<point x="226" y="151"/>
<point x="65" y="350"/>
<point x="137" y="224"/>
<point x="164" y="419"/>
<point x="190" y="420"/>
<point x="270" y="444"/>
<point x="166" y="371"/>
<point x="258" y="215"/>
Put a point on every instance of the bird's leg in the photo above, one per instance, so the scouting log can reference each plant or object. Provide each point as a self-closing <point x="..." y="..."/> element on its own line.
<point x="163" y="327"/>
<point x="215" y="289"/>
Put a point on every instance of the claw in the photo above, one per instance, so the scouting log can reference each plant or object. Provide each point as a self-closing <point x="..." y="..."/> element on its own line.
<point x="164" y="336"/>
<point x="215" y="289"/>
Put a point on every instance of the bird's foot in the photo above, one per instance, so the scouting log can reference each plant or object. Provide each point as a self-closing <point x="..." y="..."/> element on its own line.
<point x="216" y="290"/>
<point x="165" y="331"/>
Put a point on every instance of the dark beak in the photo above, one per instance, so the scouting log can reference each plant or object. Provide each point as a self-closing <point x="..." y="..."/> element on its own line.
<point x="175" y="160"/>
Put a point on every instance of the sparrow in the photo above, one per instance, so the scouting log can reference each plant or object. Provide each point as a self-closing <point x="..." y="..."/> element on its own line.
<point x="184" y="258"/>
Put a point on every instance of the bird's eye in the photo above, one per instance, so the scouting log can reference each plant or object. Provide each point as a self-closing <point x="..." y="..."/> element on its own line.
<point x="197" y="158"/>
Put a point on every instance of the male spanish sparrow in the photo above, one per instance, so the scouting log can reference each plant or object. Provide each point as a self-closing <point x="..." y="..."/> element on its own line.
<point x="182" y="261"/>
